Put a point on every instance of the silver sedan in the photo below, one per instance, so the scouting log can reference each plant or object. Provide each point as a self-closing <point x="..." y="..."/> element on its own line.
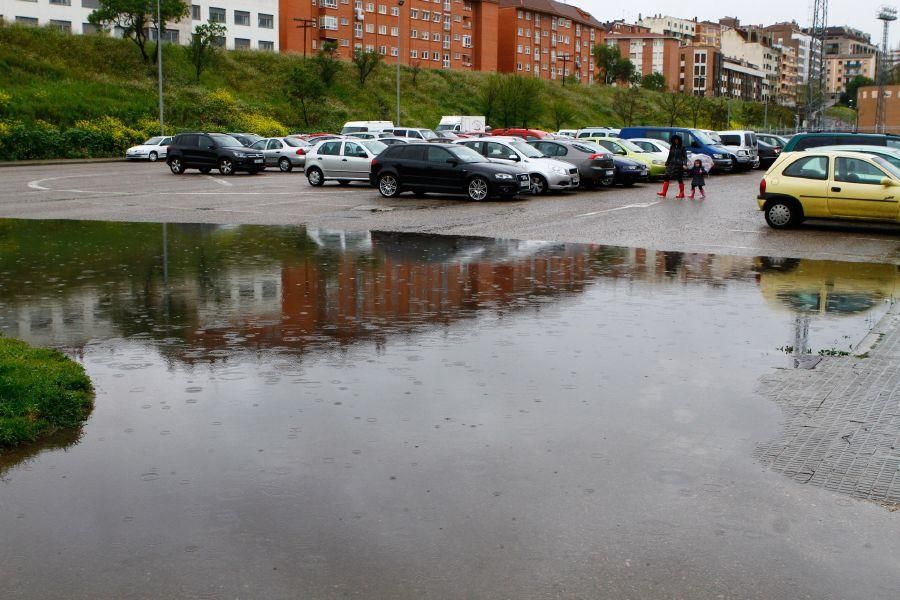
<point x="283" y="152"/>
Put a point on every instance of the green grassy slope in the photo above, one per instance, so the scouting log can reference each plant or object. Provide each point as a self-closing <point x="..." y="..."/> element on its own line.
<point x="63" y="95"/>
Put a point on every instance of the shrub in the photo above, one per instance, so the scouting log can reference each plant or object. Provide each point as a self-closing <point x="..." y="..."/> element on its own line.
<point x="260" y="124"/>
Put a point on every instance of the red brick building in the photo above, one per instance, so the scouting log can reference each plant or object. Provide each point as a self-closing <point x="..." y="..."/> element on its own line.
<point x="650" y="53"/>
<point x="448" y="34"/>
<point x="547" y="39"/>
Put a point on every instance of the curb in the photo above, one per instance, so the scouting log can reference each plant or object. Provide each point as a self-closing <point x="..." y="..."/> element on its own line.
<point x="887" y="323"/>
<point x="60" y="161"/>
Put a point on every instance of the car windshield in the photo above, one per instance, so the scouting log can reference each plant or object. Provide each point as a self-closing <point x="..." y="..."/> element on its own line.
<point x="428" y="134"/>
<point x="629" y="146"/>
<point x="225" y="141"/>
<point x="526" y="149"/>
<point x="154" y="141"/>
<point x="374" y="146"/>
<point x="705" y="138"/>
<point x="887" y="166"/>
<point x="446" y="126"/>
<point x="467" y="155"/>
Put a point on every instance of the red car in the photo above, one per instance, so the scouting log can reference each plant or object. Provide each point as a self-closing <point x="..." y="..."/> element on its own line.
<point x="527" y="134"/>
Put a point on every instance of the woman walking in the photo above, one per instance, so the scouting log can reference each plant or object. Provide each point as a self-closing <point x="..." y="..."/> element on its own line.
<point x="675" y="167"/>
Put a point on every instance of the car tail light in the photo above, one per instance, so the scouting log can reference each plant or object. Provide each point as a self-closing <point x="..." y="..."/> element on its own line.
<point x="374" y="161"/>
<point x="596" y="156"/>
<point x="301" y="152"/>
<point x="762" y="186"/>
<point x="777" y="150"/>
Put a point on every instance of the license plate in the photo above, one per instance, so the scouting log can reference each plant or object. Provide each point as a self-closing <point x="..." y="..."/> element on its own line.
<point x="610" y="172"/>
<point x="257" y="160"/>
<point x="575" y="181"/>
<point x="525" y="184"/>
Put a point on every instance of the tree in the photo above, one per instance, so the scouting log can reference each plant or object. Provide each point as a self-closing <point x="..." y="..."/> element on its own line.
<point x="717" y="112"/>
<point x="849" y="96"/>
<point x="326" y="63"/>
<point x="489" y="96"/>
<point x="203" y="45"/>
<point x="519" y="100"/>
<point x="653" y="81"/>
<point x="562" y="113"/>
<point x="631" y="75"/>
<point x="137" y="17"/>
<point x="307" y="89"/>
<point x="695" y="107"/>
<point x="366" y="62"/>
<point x="673" y="104"/>
<point x="415" y="67"/>
<point x="628" y="105"/>
<point x="607" y="60"/>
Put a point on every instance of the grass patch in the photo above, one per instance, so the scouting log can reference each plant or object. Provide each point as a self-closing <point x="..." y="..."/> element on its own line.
<point x="41" y="391"/>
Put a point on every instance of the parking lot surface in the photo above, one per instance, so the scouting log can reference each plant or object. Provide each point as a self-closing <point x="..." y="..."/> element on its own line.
<point x="726" y="222"/>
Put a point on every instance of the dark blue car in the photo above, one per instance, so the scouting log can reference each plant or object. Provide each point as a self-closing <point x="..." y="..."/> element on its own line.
<point x="695" y="140"/>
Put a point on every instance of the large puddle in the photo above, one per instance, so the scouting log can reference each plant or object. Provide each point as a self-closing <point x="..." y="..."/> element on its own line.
<point x="286" y="413"/>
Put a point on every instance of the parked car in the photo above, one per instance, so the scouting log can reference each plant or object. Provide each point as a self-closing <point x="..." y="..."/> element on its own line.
<point x="206" y="151"/>
<point x="546" y="173"/>
<point x="247" y="139"/>
<point x="660" y="150"/>
<point x="742" y="145"/>
<point x="343" y="160"/>
<point x="390" y="141"/>
<point x="152" y="150"/>
<point x="445" y="135"/>
<point x="596" y="132"/>
<point x="776" y="141"/>
<point x="655" y="162"/>
<point x="525" y="134"/>
<point x="445" y="168"/>
<point x="365" y="126"/>
<point x="595" y="164"/>
<point x="892" y="155"/>
<point x="416" y="133"/>
<point x="369" y="135"/>
<point x="458" y="123"/>
<point x="830" y="185"/>
<point x="695" y="140"/>
<point x="284" y="153"/>
<point x="805" y="141"/>
<point x="630" y="171"/>
<point x="767" y="154"/>
<point x="569" y="133"/>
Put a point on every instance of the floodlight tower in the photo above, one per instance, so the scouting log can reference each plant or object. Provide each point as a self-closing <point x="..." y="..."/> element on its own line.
<point x="815" y="86"/>
<point x="886" y="14"/>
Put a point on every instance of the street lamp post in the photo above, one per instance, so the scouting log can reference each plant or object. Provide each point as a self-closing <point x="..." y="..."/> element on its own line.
<point x="162" y="124"/>
<point x="399" y="55"/>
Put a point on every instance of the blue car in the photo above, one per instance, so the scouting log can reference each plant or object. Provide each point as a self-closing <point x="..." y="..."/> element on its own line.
<point x="695" y="140"/>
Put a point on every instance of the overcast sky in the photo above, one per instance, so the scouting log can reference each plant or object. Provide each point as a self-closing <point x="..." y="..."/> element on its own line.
<point x="860" y="14"/>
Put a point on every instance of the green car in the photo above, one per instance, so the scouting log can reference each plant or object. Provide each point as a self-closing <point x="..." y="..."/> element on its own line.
<point x="620" y="147"/>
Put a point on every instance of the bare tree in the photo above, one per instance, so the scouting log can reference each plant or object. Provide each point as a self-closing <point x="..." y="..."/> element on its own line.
<point x="628" y="105"/>
<point x="415" y="67"/>
<point x="673" y="105"/>
<point x="695" y="107"/>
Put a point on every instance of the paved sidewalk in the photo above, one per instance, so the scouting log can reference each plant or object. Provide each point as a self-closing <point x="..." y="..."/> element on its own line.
<point x="842" y="428"/>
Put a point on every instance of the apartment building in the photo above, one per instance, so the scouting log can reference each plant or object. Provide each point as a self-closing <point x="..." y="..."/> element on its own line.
<point x="840" y="69"/>
<point x="650" y="53"/>
<point x="708" y="34"/>
<point x="750" y="47"/>
<point x="684" y="30"/>
<point x="847" y="40"/>
<point x="789" y="34"/>
<point x="547" y="39"/>
<point x="443" y="34"/>
<point x="706" y="71"/>
<point x="250" y="24"/>
<point x="786" y="91"/>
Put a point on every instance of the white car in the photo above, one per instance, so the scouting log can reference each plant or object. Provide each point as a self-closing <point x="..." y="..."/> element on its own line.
<point x="660" y="149"/>
<point x="152" y="150"/>
<point x="343" y="160"/>
<point x="742" y="144"/>
<point x="545" y="173"/>
<point x="595" y="132"/>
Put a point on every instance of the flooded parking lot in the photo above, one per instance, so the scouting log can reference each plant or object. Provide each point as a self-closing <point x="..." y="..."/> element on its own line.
<point x="286" y="412"/>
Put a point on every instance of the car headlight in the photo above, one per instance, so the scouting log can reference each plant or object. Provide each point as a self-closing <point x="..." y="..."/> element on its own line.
<point x="558" y="170"/>
<point x="503" y="176"/>
<point x="718" y="156"/>
<point x="659" y="162"/>
<point x="240" y="155"/>
<point x="632" y="167"/>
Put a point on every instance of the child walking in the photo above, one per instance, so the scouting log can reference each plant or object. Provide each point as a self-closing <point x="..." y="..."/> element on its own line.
<point x="697" y="173"/>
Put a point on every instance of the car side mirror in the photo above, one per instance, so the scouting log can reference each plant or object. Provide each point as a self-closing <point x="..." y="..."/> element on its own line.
<point x="452" y="162"/>
<point x="888" y="182"/>
<point x="211" y="147"/>
<point x="513" y="157"/>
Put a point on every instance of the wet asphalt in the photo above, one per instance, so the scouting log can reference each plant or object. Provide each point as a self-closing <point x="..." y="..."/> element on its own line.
<point x="727" y="222"/>
<point x="289" y="412"/>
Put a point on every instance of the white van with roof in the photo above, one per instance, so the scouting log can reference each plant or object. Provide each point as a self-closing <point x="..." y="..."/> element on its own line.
<point x="742" y="144"/>
<point x="366" y="127"/>
<point x="462" y="123"/>
<point x="595" y="132"/>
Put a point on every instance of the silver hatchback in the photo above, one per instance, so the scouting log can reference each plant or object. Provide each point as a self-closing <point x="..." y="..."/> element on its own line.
<point x="344" y="160"/>
<point x="283" y="152"/>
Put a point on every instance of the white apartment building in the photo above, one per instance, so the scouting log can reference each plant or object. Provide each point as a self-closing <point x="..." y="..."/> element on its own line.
<point x="250" y="24"/>
<point x="683" y="29"/>
<point x="764" y="58"/>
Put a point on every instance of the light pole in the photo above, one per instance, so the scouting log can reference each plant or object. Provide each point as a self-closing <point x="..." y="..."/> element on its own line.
<point x="399" y="55"/>
<point x="162" y="123"/>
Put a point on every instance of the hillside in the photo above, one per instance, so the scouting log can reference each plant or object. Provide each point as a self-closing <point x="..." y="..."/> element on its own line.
<point x="64" y="95"/>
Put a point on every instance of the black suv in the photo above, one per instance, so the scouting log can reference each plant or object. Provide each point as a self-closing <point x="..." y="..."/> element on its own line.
<point x="205" y="151"/>
<point x="444" y="168"/>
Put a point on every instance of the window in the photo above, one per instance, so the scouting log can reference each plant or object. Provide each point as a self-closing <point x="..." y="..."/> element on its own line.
<point x="357" y="29"/>
<point x="266" y="21"/>
<point x="414" y="14"/>
<point x="467" y="41"/>
<point x="328" y="3"/>
<point x="414" y="34"/>
<point x="241" y="17"/>
<point x="241" y="44"/>
<point x="382" y="9"/>
<point x="27" y="21"/>
<point x="435" y="37"/>
<point x="437" y="155"/>
<point x="89" y="28"/>
<point x="382" y="30"/>
<point x="370" y="27"/>
<point x="809" y="167"/>
<point x="64" y="26"/>
<point x="195" y="9"/>
<point x="354" y="150"/>
<point x="61" y="2"/>
<point x="268" y="46"/>
<point x="330" y="149"/>
<point x="344" y="21"/>
<point x="414" y="54"/>
<point x="90" y="3"/>
<point x="216" y="15"/>
<point x="854" y="170"/>
<point x="274" y="145"/>
<point x="382" y="50"/>
<point x="395" y="11"/>
<point x="394" y="31"/>
<point x="328" y="22"/>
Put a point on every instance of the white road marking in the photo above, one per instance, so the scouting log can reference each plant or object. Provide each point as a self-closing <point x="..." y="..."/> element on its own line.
<point x="220" y="181"/>
<point x="598" y="212"/>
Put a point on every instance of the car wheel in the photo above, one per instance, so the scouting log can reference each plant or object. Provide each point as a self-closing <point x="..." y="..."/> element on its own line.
<point x="226" y="166"/>
<point x="343" y="182"/>
<point x="176" y="166"/>
<point x="315" y="177"/>
<point x="205" y="170"/>
<point x="782" y="214"/>
<point x="154" y="156"/>
<point x="477" y="189"/>
<point x="285" y="165"/>
<point x="388" y="186"/>
<point x="538" y="185"/>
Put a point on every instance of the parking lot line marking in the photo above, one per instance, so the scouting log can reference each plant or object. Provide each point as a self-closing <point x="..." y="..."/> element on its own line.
<point x="220" y="181"/>
<point x="598" y="212"/>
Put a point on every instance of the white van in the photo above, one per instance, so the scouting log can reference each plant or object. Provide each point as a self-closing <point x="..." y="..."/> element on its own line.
<point x="595" y="132"/>
<point x="462" y="124"/>
<point x="366" y="127"/>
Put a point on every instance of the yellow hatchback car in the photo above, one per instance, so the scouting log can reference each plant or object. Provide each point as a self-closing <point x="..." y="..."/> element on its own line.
<point x="829" y="185"/>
